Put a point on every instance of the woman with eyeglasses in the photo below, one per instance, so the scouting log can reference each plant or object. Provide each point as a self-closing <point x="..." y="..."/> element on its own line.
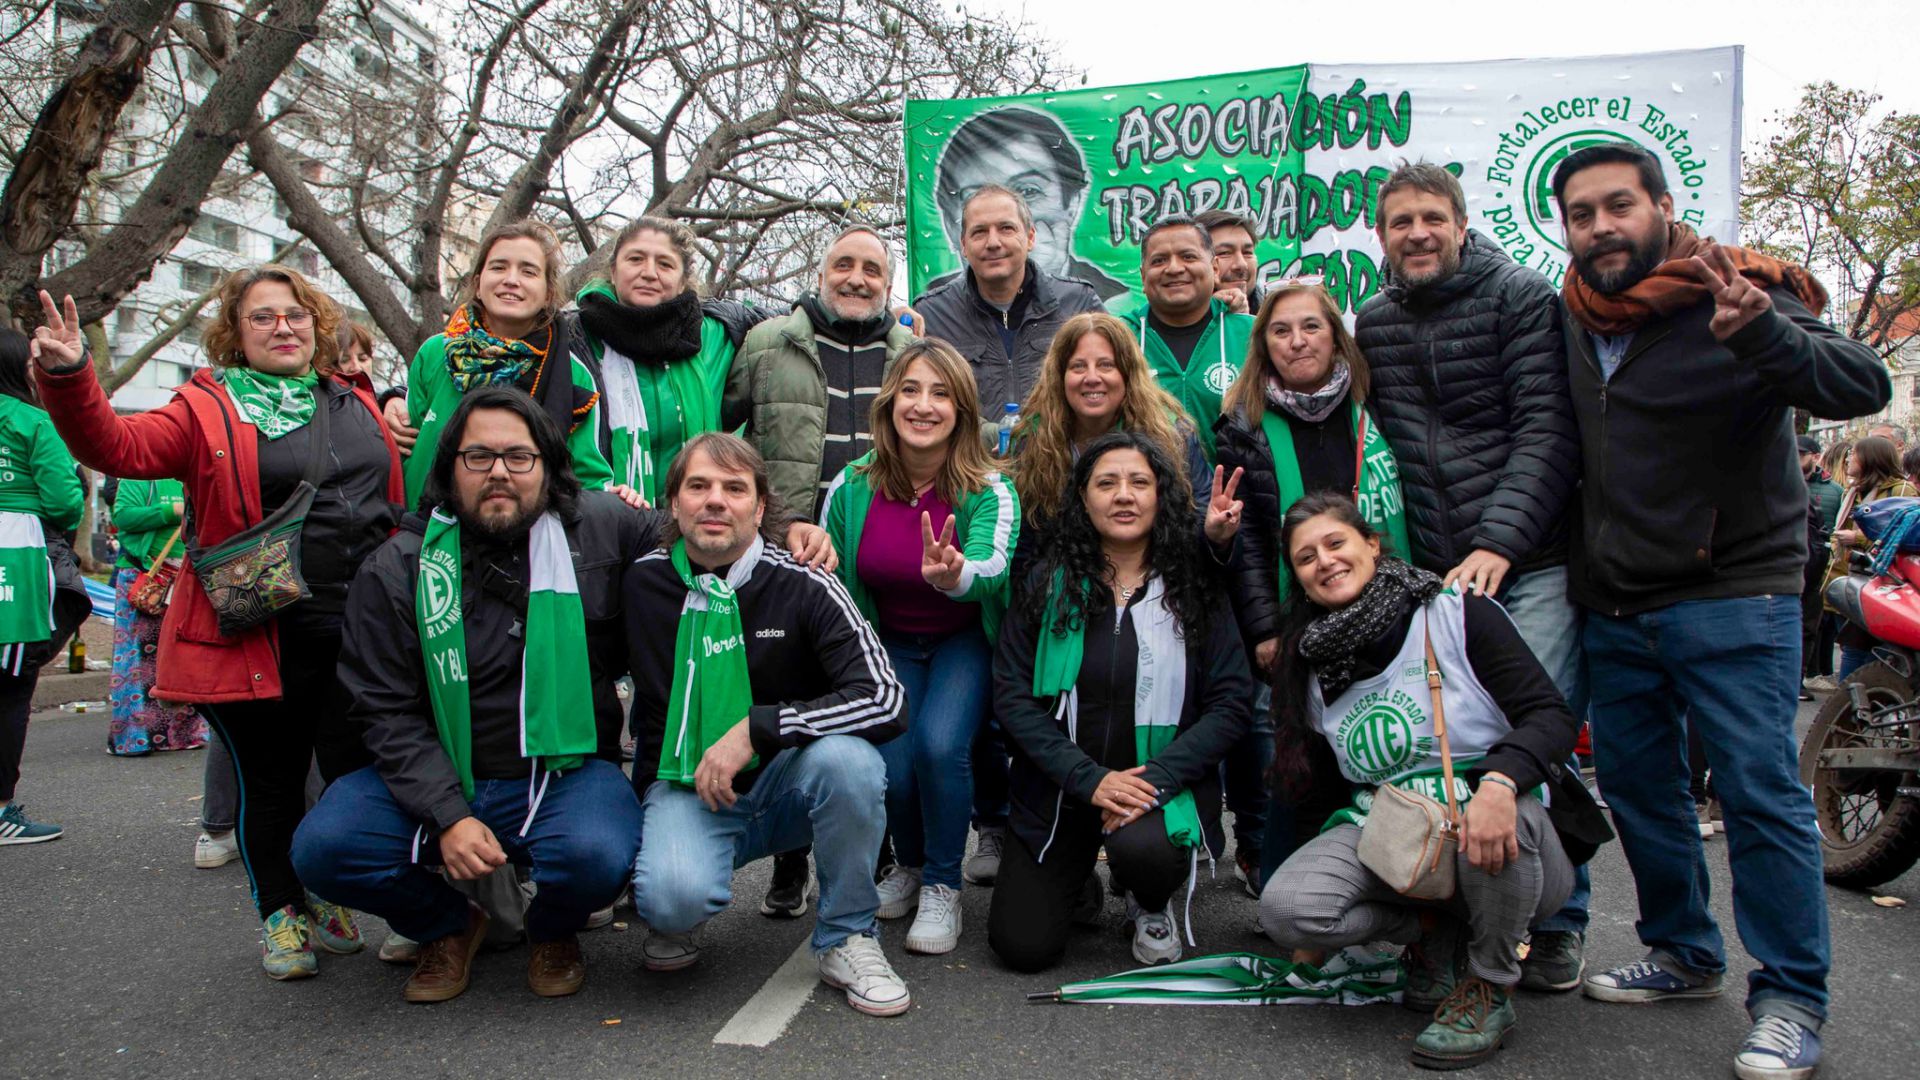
<point x="242" y="436"/>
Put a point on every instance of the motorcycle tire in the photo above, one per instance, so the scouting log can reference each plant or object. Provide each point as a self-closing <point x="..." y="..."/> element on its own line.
<point x="1869" y="832"/>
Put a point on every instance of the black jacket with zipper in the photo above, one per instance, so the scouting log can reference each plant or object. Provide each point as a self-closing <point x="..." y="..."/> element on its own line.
<point x="1049" y="767"/>
<point x="382" y="668"/>
<point x="1470" y="387"/>
<point x="955" y="311"/>
<point x="1692" y="487"/>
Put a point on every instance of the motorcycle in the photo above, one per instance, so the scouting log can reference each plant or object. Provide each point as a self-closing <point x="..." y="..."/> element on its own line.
<point x="1861" y="756"/>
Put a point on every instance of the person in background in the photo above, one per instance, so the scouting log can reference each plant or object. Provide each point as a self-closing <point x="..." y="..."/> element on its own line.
<point x="1192" y="339"/>
<point x="41" y="500"/>
<point x="1891" y="432"/>
<point x="1824" y="496"/>
<point x="1833" y="462"/>
<point x="241" y="436"/>
<point x="1909" y="464"/>
<point x="146" y="516"/>
<point x="1235" y="260"/>
<point x="926" y="526"/>
<point x="1873" y="473"/>
<point x="356" y="353"/>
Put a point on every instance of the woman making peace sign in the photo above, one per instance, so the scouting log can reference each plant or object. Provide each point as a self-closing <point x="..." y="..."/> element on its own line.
<point x="894" y="516"/>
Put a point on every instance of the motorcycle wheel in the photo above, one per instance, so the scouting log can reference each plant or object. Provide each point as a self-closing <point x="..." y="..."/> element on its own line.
<point x="1869" y="833"/>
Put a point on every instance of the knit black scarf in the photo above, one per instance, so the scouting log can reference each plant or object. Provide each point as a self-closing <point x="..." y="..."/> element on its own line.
<point x="1331" y="642"/>
<point x="853" y="332"/>
<point x="655" y="336"/>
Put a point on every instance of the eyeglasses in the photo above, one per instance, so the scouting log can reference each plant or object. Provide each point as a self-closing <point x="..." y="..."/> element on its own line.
<point x="266" y="321"/>
<point x="1300" y="282"/>
<point x="518" y="462"/>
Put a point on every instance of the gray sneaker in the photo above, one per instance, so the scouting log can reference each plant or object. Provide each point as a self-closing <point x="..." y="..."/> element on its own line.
<point x="1156" y="938"/>
<point x="670" y="952"/>
<point x="899" y="892"/>
<point x="983" y="866"/>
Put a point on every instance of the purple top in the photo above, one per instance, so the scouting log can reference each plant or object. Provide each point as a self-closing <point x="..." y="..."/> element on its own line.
<point x="888" y="563"/>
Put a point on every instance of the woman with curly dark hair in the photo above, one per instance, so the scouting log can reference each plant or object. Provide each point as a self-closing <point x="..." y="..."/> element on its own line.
<point x="1120" y="688"/>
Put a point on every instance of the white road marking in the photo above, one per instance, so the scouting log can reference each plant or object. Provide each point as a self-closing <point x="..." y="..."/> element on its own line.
<point x="767" y="1013"/>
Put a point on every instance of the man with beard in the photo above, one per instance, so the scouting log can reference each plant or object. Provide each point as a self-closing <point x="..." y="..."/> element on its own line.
<point x="1687" y="359"/>
<point x="1194" y="341"/>
<point x="1464" y="347"/>
<point x="756" y="722"/>
<point x="1235" y="260"/>
<point x="482" y="641"/>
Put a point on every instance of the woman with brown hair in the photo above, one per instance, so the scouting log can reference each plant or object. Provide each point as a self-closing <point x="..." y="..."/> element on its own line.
<point x="926" y="528"/>
<point x="1873" y="473"/>
<point x="244" y="436"/>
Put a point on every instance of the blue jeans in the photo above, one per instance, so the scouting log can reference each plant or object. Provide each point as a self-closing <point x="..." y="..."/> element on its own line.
<point x="930" y="768"/>
<point x="830" y="793"/>
<point x="1550" y="625"/>
<point x="1852" y="659"/>
<point x="357" y="847"/>
<point x="1733" y="666"/>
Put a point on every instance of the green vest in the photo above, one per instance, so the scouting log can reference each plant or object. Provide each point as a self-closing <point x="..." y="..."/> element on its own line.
<point x="1209" y="372"/>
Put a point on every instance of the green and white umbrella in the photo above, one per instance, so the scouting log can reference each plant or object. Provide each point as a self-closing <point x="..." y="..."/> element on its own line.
<point x="1352" y="977"/>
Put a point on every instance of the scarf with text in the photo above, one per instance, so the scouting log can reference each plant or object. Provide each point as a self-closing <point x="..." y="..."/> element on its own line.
<point x="711" y="687"/>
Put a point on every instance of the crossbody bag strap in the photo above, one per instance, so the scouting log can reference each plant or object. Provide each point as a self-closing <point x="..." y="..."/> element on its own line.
<point x="1439" y="721"/>
<point x="167" y="548"/>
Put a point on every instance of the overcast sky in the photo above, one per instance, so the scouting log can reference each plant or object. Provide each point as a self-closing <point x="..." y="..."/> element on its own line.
<point x="1864" y="44"/>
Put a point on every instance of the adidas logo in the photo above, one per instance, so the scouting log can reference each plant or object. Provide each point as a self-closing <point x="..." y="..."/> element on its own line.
<point x="769" y="633"/>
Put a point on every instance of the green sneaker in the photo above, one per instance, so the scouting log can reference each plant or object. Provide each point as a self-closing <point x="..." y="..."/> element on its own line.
<point x="17" y="828"/>
<point x="1473" y="1022"/>
<point x="286" y="948"/>
<point x="1433" y="965"/>
<point x="1556" y="960"/>
<point x="332" y="927"/>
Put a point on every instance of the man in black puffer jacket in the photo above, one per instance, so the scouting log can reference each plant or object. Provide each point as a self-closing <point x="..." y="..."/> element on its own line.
<point x="1470" y="385"/>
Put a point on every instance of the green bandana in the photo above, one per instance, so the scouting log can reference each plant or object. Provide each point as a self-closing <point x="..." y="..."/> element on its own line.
<point x="1160" y="678"/>
<point x="556" y="688"/>
<point x="276" y="404"/>
<point x="711" y="689"/>
<point x="1380" y="501"/>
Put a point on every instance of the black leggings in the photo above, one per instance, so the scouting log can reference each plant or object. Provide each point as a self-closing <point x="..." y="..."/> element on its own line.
<point x="273" y="742"/>
<point x="16" y="703"/>
<point x="1033" y="902"/>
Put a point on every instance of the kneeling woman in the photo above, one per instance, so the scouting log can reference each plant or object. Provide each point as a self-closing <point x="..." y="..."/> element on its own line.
<point x="1357" y="633"/>
<point x="1121" y="685"/>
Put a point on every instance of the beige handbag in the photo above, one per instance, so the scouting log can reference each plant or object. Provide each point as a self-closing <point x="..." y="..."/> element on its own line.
<point x="1409" y="840"/>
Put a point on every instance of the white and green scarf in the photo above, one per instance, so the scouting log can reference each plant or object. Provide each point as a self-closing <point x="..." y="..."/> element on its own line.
<point x="556" y="686"/>
<point x="631" y="451"/>
<point x="711" y="689"/>
<point x="26" y="581"/>
<point x="276" y="404"/>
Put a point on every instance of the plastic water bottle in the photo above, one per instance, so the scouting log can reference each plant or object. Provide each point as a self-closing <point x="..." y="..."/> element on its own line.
<point x="1009" y="420"/>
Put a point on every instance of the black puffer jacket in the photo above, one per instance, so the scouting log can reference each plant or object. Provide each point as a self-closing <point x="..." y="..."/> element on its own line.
<point x="1470" y="386"/>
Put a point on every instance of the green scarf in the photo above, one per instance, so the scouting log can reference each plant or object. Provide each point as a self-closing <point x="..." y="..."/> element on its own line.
<point x="1160" y="678"/>
<point x="1380" y="500"/>
<point x="276" y="404"/>
<point x="711" y="688"/>
<point x="556" y="687"/>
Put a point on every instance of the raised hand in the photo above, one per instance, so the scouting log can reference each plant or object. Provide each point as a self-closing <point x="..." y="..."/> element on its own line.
<point x="56" y="344"/>
<point x="1736" y="301"/>
<point x="940" y="561"/>
<point x="1223" y="510"/>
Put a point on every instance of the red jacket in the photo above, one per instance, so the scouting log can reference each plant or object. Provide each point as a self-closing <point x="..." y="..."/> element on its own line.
<point x="199" y="439"/>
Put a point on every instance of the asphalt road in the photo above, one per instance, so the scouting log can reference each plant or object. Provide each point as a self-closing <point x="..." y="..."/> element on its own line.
<point x="118" y="958"/>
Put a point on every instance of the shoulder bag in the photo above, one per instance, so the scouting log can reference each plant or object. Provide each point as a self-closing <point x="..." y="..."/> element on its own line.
<point x="1409" y="840"/>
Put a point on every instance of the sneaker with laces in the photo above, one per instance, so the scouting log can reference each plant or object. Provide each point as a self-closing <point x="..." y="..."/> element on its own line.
<point x="332" y="927"/>
<point x="398" y="949"/>
<point x="286" y="945"/>
<point x="1643" y="980"/>
<point x="1156" y="938"/>
<point x="983" y="866"/>
<point x="899" y="892"/>
<point x="792" y="883"/>
<point x="936" y="927"/>
<point x="212" y="852"/>
<point x="670" y="952"/>
<point x="1433" y="964"/>
<point x="1777" y="1049"/>
<point x="1475" y="1021"/>
<point x="604" y="915"/>
<point x="857" y="966"/>
<point x="17" y="828"/>
<point x="1556" y="959"/>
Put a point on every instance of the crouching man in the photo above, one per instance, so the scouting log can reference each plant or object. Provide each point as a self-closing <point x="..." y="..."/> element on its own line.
<point x="759" y="695"/>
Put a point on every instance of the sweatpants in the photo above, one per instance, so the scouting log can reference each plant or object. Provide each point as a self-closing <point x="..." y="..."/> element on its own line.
<point x="1033" y="901"/>
<point x="1322" y="898"/>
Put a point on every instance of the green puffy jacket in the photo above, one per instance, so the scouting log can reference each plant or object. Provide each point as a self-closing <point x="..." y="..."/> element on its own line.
<point x="780" y="382"/>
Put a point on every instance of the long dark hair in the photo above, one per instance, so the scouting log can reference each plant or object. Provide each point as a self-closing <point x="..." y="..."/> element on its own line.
<point x="15" y="355"/>
<point x="1293" y="732"/>
<point x="1879" y="465"/>
<point x="1070" y="543"/>
<point x="563" y="487"/>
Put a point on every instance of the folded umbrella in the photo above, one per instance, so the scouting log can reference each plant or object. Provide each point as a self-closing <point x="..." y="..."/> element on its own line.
<point x="1352" y="977"/>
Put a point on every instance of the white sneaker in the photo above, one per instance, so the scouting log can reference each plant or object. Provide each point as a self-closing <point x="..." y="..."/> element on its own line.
<point x="209" y="853"/>
<point x="670" y="952"/>
<point x="1156" y="939"/>
<point x="983" y="866"/>
<point x="399" y="949"/>
<point x="899" y="892"/>
<point x="857" y="966"/>
<point x="936" y="929"/>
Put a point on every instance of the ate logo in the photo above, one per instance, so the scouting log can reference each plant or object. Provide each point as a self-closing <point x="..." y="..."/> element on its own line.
<point x="1220" y="376"/>
<point x="1380" y="736"/>
<point x="437" y="588"/>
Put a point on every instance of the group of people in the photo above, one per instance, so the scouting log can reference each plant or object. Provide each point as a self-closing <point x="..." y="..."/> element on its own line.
<point x="1235" y="555"/>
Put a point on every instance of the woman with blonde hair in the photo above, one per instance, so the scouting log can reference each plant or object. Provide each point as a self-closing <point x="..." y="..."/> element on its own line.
<point x="925" y="527"/>
<point x="267" y="431"/>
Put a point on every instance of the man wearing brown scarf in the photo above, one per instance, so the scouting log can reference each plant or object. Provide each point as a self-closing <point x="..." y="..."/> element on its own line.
<point x="1686" y="359"/>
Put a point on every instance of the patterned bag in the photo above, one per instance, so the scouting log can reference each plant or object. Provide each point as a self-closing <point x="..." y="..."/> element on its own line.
<point x="256" y="572"/>
<point x="153" y="587"/>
